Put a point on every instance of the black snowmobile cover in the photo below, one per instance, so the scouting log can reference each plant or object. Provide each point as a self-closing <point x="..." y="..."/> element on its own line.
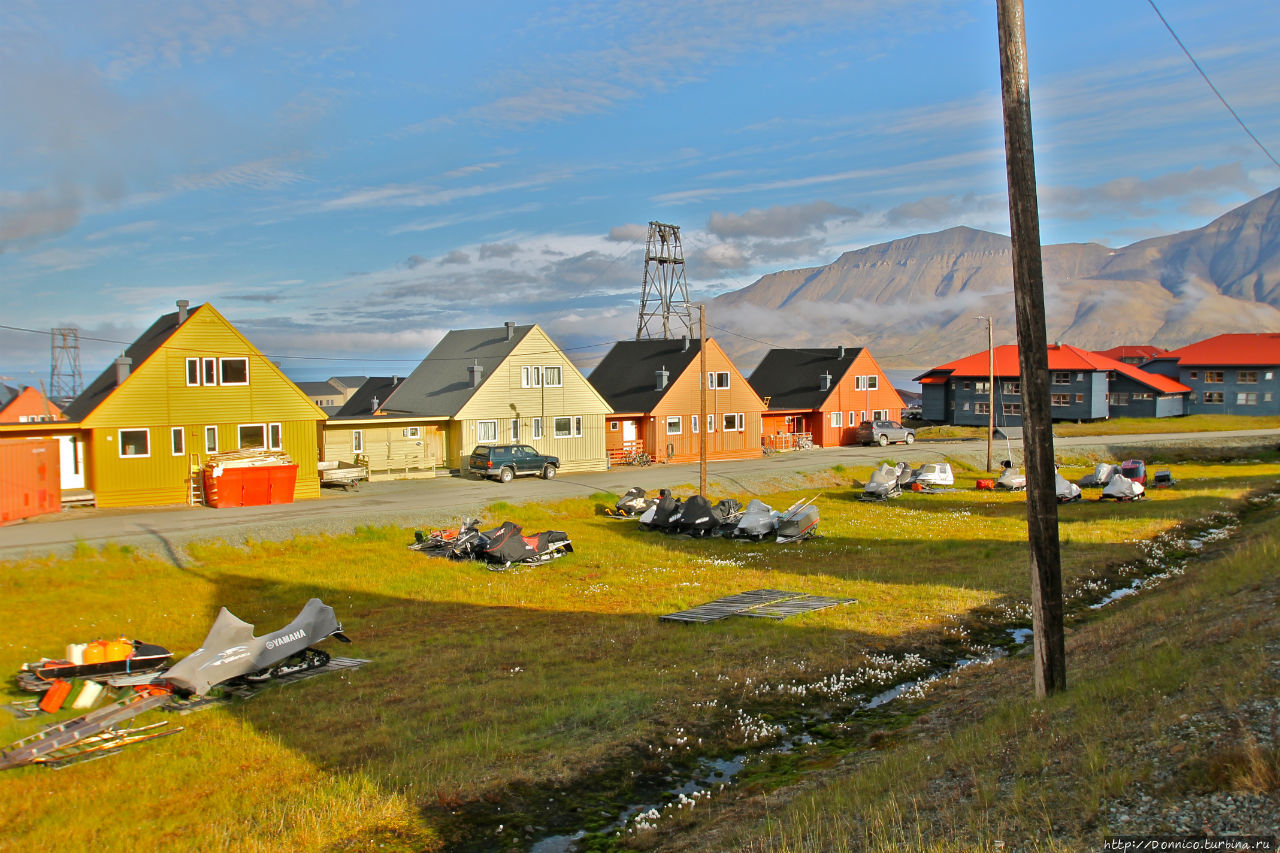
<point x="667" y="507"/>
<point x="699" y="515"/>
<point x="507" y="544"/>
<point x="231" y="649"/>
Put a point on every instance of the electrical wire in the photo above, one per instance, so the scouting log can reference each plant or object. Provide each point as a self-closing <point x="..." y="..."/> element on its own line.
<point x="1234" y="115"/>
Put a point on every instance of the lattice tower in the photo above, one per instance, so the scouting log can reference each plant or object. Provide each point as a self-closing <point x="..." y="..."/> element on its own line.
<point x="664" y="296"/>
<point x="65" y="382"/>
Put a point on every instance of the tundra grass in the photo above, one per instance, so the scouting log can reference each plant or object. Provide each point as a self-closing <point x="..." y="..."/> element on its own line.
<point x="1125" y="426"/>
<point x="481" y="682"/>
<point x="993" y="768"/>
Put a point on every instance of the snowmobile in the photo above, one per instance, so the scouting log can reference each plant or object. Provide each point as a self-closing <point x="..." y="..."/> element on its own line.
<point x="232" y="651"/>
<point x="933" y="474"/>
<point x="508" y="545"/>
<point x="458" y="543"/>
<point x="885" y="483"/>
<point x="98" y="661"/>
<point x="660" y="515"/>
<point x="800" y="521"/>
<point x="757" y="521"/>
<point x="1066" y="490"/>
<point x="1121" y="488"/>
<point x="1136" y="470"/>
<point x="1102" y="474"/>
<point x="632" y="504"/>
<point x="1163" y="479"/>
<point x="1010" y="479"/>
<point x="699" y="517"/>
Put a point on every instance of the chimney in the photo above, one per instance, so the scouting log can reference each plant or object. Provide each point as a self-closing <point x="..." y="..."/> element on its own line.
<point x="374" y="407"/>
<point x="840" y="352"/>
<point x="475" y="373"/>
<point x="662" y="377"/>
<point x="182" y="310"/>
<point x="684" y="343"/>
<point x="824" y="382"/>
<point x="511" y="330"/>
<point x="123" y="363"/>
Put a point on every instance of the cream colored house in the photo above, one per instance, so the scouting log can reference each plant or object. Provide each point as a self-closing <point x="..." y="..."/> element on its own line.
<point x="509" y="385"/>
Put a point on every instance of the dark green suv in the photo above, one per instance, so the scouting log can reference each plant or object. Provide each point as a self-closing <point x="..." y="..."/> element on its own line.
<point x="504" y="462"/>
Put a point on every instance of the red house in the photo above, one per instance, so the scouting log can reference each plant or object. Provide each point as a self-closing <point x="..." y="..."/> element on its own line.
<point x="26" y="406"/>
<point x="822" y="393"/>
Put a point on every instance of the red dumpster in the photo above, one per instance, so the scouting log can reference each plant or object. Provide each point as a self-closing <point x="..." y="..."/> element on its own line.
<point x="30" y="478"/>
<point x="256" y="485"/>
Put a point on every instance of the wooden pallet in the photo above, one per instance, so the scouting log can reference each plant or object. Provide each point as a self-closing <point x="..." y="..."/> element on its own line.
<point x="762" y="603"/>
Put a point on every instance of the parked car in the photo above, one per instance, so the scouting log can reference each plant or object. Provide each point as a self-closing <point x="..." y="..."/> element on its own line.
<point x="505" y="462"/>
<point x="884" y="432"/>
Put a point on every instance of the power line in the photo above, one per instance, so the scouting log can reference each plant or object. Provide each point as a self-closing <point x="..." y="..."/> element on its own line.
<point x="1234" y="115"/>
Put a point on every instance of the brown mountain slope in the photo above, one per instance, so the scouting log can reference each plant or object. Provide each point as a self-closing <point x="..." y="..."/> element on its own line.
<point x="914" y="301"/>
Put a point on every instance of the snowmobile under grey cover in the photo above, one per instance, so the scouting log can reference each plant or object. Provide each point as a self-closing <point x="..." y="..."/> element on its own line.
<point x="231" y="650"/>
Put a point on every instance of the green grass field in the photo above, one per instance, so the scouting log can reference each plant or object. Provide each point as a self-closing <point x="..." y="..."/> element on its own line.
<point x="488" y="690"/>
<point x="1123" y="426"/>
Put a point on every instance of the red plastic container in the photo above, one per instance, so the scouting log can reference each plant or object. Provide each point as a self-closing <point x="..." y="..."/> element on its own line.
<point x="256" y="486"/>
<point x="30" y="478"/>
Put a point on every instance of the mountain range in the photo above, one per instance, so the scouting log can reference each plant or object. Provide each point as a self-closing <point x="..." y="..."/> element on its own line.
<point x="917" y="302"/>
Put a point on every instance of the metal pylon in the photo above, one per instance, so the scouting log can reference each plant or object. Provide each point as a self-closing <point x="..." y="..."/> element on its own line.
<point x="64" y="364"/>
<point x="664" y="295"/>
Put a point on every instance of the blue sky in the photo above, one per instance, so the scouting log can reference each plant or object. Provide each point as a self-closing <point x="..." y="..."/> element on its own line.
<point x="347" y="180"/>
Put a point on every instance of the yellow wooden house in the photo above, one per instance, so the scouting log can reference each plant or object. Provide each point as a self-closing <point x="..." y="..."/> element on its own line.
<point x="507" y="385"/>
<point x="190" y="386"/>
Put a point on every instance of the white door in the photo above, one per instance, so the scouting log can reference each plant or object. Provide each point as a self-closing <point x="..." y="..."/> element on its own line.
<point x="71" y="461"/>
<point x="628" y="431"/>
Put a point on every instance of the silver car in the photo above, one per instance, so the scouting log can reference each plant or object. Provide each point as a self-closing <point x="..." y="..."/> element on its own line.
<point x="884" y="432"/>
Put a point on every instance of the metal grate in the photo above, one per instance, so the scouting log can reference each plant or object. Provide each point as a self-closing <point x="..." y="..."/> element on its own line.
<point x="762" y="603"/>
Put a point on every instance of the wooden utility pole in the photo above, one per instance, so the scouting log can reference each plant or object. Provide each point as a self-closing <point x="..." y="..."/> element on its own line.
<point x="991" y="389"/>
<point x="1033" y="358"/>
<point x="702" y="406"/>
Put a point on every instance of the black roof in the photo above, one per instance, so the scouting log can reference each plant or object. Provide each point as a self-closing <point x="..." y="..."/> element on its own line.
<point x="139" y="351"/>
<point x="361" y="404"/>
<point x="627" y="376"/>
<point x="789" y="377"/>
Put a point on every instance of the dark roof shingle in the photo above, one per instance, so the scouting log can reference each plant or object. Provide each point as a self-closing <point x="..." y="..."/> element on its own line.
<point x="789" y="377"/>
<point x="627" y="376"/>
<point x="440" y="386"/>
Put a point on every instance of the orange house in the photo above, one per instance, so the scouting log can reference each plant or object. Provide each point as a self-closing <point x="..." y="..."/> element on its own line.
<point x="655" y="391"/>
<point x="26" y="406"/>
<point x="824" y="393"/>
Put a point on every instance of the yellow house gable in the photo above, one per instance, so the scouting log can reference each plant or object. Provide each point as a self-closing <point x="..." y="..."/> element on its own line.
<point x="206" y="371"/>
<point x="523" y="386"/>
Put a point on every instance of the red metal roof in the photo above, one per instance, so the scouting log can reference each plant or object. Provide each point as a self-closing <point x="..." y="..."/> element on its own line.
<point x="1230" y="349"/>
<point x="1130" y="351"/>
<point x="1062" y="357"/>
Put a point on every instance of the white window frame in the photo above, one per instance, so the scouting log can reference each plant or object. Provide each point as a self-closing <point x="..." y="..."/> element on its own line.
<point x="1242" y="398"/>
<point x="275" y="437"/>
<point x="982" y="407"/>
<point x="530" y="376"/>
<point x="577" y="426"/>
<point x="873" y="382"/>
<point x="693" y="424"/>
<point x="240" y="428"/>
<point x="1207" y="394"/>
<point x="222" y="370"/>
<point x="858" y="383"/>
<point x="193" y="367"/>
<point x="177" y="440"/>
<point x="717" y="379"/>
<point x="208" y="371"/>
<point x="556" y="424"/>
<point x="1246" y="377"/>
<point x="1061" y="377"/>
<point x="487" y="432"/>
<point x="210" y="446"/>
<point x="734" y="422"/>
<point x="120" y="443"/>
<point x="613" y="426"/>
<point x="411" y="432"/>
<point x="852" y="421"/>
<point x="515" y="430"/>
<point x="1059" y="400"/>
<point x="837" y="419"/>
<point x="710" y="425"/>
<point x="546" y="376"/>
<point x="678" y="422"/>
<point x="357" y="441"/>
<point x="535" y="429"/>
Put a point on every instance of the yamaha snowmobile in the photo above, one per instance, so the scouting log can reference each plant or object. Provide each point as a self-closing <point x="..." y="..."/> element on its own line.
<point x="1121" y="488"/>
<point x="508" y="545"/>
<point x="698" y="517"/>
<point x="1136" y="470"/>
<point x="933" y="474"/>
<point x="885" y="482"/>
<point x="632" y="504"/>
<point x="798" y="522"/>
<point x="98" y="661"/>
<point x="232" y="651"/>
<point x="660" y="515"/>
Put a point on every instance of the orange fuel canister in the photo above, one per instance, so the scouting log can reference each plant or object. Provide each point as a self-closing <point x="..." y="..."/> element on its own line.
<point x="55" y="696"/>
<point x="95" y="652"/>
<point x="119" y="649"/>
